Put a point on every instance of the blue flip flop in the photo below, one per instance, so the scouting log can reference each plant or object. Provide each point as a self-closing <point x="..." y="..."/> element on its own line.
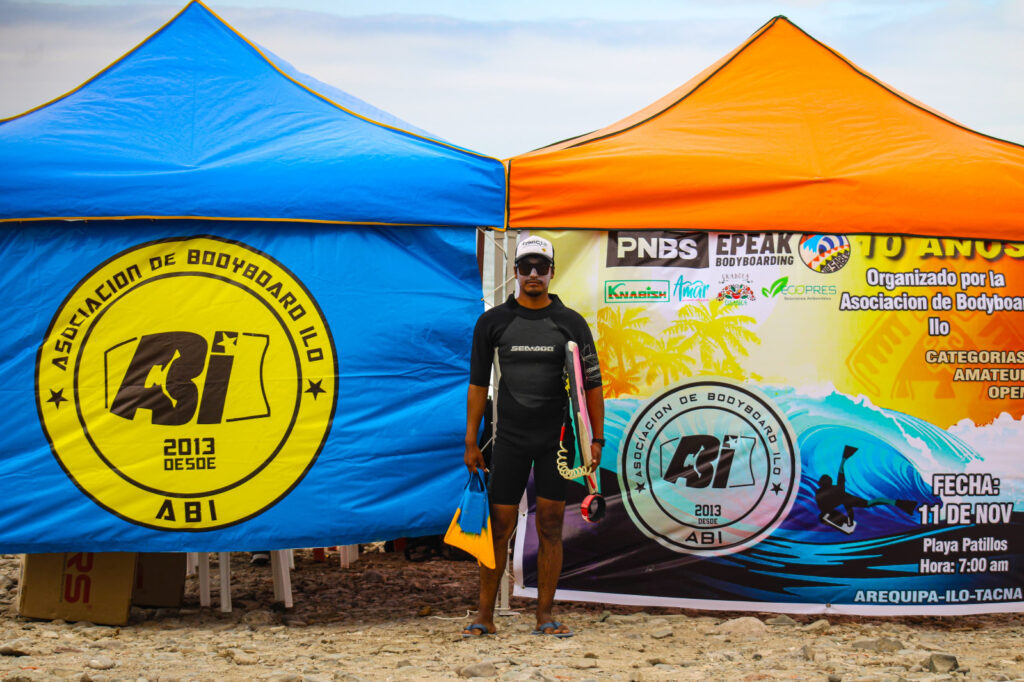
<point x="482" y="629"/>
<point x="553" y="625"/>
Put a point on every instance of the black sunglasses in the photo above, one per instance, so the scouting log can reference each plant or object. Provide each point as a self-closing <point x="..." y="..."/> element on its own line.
<point x="526" y="265"/>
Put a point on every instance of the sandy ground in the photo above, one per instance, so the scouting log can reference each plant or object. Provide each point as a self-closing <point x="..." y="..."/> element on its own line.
<point x="389" y="619"/>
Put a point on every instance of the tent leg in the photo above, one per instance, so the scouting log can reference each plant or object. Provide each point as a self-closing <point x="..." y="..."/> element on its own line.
<point x="502" y="607"/>
<point x="224" y="566"/>
<point x="204" y="578"/>
<point x="348" y="554"/>
<point x="281" y="573"/>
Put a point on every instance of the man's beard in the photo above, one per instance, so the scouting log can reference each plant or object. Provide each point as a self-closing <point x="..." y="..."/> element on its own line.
<point x="534" y="293"/>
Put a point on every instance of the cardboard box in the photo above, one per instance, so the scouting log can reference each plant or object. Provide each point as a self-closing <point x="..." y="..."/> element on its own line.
<point x="159" y="579"/>
<point x="75" y="586"/>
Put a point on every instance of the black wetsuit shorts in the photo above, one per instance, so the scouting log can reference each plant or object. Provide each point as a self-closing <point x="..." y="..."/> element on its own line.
<point x="527" y="439"/>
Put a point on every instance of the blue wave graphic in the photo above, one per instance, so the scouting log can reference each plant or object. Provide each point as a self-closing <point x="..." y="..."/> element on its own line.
<point x="805" y="560"/>
<point x="883" y="467"/>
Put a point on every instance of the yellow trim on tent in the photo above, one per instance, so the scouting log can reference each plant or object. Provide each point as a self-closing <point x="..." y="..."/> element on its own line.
<point x="205" y="217"/>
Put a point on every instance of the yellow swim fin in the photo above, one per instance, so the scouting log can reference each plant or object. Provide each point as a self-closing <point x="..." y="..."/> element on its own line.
<point x="480" y="545"/>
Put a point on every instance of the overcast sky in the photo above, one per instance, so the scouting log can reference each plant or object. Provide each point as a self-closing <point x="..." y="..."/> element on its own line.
<point x="504" y="77"/>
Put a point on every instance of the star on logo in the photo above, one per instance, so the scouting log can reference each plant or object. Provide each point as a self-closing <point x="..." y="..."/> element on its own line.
<point x="639" y="487"/>
<point x="776" y="488"/>
<point x="57" y="397"/>
<point x="314" y="388"/>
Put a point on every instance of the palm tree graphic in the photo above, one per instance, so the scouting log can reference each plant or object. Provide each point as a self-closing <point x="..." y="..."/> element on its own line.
<point x="719" y="332"/>
<point x="668" y="359"/>
<point x="715" y="333"/>
<point x="622" y="341"/>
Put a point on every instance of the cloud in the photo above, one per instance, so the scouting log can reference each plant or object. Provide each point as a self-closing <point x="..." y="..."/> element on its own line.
<point x="997" y="443"/>
<point x="504" y="87"/>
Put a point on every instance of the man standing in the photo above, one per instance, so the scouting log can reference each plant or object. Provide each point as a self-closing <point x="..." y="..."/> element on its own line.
<point x="526" y="337"/>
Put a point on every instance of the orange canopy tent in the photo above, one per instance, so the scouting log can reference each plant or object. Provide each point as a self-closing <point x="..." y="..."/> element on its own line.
<point x="781" y="134"/>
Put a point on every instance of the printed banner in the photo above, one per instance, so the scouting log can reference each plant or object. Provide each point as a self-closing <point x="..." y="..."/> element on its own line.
<point x="190" y="385"/>
<point x="804" y="423"/>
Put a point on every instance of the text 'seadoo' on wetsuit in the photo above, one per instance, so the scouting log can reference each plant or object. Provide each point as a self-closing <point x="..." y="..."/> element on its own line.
<point x="529" y="349"/>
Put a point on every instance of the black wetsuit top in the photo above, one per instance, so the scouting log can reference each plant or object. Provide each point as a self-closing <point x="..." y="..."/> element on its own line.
<point x="529" y="348"/>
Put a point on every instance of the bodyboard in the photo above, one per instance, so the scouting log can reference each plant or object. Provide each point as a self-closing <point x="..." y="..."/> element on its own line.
<point x="578" y="410"/>
<point x="839" y="521"/>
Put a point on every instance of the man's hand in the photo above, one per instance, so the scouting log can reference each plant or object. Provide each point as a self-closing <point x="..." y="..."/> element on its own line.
<point x="474" y="458"/>
<point x="595" y="456"/>
<point x="476" y="400"/>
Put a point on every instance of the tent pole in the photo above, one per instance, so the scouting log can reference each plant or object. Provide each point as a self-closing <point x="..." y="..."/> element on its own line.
<point x="504" y="271"/>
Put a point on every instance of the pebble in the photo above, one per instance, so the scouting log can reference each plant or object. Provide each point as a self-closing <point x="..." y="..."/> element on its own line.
<point x="285" y="677"/>
<point x="243" y="657"/>
<point x="661" y="633"/>
<point x="817" y="627"/>
<point x="372" y="576"/>
<point x="101" y="663"/>
<point x="478" y="670"/>
<point x="259" y="617"/>
<point x="16" y="647"/>
<point x="811" y="653"/>
<point x="91" y="677"/>
<point x="881" y="645"/>
<point x="584" y="664"/>
<point x="745" y="626"/>
<point x="627" y="619"/>
<point x="941" y="663"/>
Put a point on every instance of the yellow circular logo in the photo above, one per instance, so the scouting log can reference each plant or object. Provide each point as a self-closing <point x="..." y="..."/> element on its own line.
<point x="187" y="384"/>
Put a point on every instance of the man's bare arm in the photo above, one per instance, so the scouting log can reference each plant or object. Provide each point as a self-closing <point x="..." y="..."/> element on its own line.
<point x="476" y="403"/>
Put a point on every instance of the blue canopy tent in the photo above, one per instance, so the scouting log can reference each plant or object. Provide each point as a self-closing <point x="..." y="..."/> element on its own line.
<point x="243" y="312"/>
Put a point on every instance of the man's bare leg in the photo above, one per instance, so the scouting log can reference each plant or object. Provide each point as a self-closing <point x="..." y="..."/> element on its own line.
<point x="550" y="515"/>
<point x="503" y="522"/>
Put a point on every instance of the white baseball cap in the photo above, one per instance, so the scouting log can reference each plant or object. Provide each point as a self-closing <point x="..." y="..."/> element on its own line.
<point x="535" y="246"/>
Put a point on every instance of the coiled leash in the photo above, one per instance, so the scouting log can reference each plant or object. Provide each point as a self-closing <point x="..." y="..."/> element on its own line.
<point x="593" y="505"/>
<point x="563" y="453"/>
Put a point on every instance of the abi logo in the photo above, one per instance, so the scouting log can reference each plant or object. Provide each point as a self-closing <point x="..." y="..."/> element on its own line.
<point x="709" y="467"/>
<point x="703" y="460"/>
<point x="187" y="384"/>
<point x="160" y="377"/>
